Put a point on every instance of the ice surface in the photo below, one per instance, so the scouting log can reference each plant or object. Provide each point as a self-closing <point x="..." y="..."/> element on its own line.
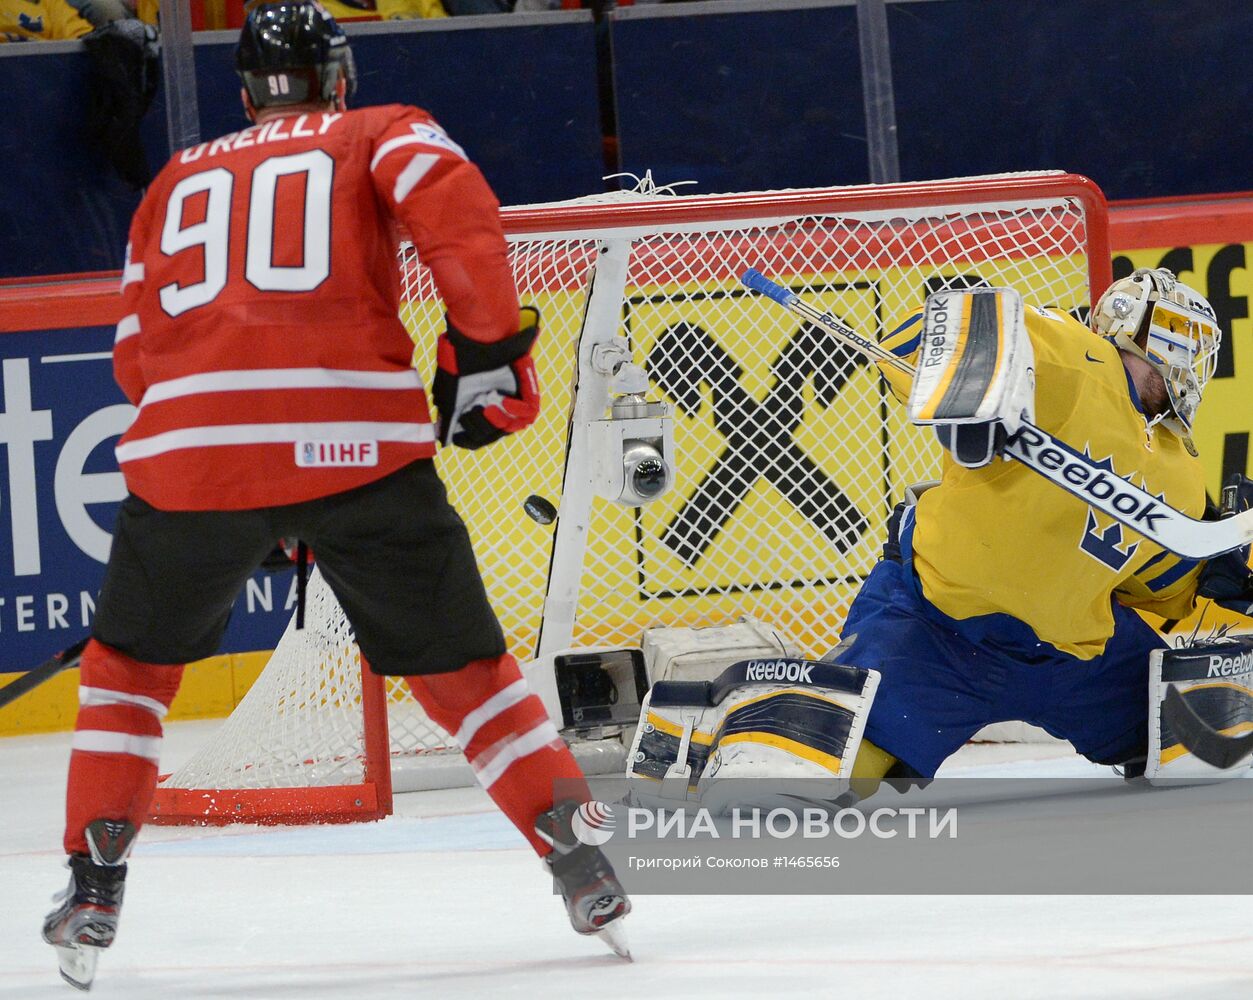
<point x="444" y="900"/>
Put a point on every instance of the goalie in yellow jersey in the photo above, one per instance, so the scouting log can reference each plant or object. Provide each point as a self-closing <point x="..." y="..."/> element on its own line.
<point x="1000" y="596"/>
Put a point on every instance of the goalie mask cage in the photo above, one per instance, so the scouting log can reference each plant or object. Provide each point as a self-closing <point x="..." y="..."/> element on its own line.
<point x="789" y="459"/>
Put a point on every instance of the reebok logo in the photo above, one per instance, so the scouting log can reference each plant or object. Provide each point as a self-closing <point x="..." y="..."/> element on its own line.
<point x="1227" y="666"/>
<point x="1086" y="479"/>
<point x="936" y="339"/>
<point x="791" y="671"/>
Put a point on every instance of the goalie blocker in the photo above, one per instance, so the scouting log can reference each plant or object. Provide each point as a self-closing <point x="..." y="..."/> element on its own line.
<point x="763" y="729"/>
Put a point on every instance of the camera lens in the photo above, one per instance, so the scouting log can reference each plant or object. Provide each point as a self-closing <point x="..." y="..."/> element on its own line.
<point x="648" y="478"/>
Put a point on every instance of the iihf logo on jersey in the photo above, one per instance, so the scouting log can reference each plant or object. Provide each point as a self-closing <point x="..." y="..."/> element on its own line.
<point x="593" y="823"/>
<point x="320" y="454"/>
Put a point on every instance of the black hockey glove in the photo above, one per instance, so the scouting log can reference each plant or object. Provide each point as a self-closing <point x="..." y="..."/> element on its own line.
<point x="485" y="391"/>
<point x="892" y="544"/>
<point x="1227" y="579"/>
<point x="124" y="57"/>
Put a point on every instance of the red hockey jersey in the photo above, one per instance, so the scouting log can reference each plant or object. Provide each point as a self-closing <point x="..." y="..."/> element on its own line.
<point x="261" y="341"/>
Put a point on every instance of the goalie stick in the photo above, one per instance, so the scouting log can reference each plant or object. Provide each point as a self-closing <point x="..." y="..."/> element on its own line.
<point x="64" y="660"/>
<point x="1090" y="479"/>
<point x="1201" y="740"/>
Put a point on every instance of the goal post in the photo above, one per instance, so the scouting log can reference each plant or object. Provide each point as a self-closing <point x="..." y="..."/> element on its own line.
<point x="790" y="454"/>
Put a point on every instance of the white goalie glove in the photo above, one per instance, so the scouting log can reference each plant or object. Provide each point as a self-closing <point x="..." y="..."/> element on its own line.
<point x="975" y="381"/>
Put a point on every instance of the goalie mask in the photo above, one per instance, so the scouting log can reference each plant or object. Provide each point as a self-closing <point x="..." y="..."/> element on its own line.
<point x="293" y="53"/>
<point x="1154" y="316"/>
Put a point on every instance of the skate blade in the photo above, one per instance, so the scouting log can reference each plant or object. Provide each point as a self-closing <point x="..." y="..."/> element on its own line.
<point x="78" y="965"/>
<point x="614" y="936"/>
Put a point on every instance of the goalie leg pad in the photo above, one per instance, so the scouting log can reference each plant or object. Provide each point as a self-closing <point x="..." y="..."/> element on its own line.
<point x="117" y="740"/>
<point x="781" y="731"/>
<point x="776" y="719"/>
<point x="1216" y="679"/>
<point x="672" y="742"/>
<point x="784" y="744"/>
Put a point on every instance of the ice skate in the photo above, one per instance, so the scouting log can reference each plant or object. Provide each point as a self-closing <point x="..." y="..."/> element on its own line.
<point x="85" y="922"/>
<point x="595" y="899"/>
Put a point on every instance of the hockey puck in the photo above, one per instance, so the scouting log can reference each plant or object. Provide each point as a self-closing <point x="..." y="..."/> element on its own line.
<point x="539" y="510"/>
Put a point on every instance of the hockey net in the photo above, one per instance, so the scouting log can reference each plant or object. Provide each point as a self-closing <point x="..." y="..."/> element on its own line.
<point x="790" y="454"/>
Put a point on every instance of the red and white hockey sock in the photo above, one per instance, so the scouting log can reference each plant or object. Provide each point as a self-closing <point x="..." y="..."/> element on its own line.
<point x="507" y="736"/>
<point x="117" y="740"/>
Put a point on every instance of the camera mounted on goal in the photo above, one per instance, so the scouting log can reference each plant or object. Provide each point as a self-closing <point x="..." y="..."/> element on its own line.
<point x="633" y="449"/>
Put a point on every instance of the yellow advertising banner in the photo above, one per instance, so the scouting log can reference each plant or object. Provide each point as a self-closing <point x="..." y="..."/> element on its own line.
<point x="1223" y="273"/>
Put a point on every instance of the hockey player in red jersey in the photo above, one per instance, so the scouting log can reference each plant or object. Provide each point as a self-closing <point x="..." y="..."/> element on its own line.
<point x="276" y="398"/>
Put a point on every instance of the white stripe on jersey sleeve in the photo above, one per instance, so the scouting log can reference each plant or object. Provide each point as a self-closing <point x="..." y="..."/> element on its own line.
<point x="390" y="146"/>
<point x="408" y="179"/>
<point x="127" y="326"/>
<point x="427" y="135"/>
<point x="132" y="273"/>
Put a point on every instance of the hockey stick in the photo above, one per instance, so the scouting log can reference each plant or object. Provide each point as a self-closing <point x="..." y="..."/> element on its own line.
<point x="1203" y="741"/>
<point x="1091" y="480"/>
<point x="64" y="660"/>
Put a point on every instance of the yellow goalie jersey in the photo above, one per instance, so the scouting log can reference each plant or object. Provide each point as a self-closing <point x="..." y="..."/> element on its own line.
<point x="60" y="20"/>
<point x="51" y="20"/>
<point x="383" y="10"/>
<point x="1002" y="539"/>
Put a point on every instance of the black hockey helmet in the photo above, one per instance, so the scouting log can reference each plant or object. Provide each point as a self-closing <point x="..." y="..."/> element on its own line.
<point x="292" y="52"/>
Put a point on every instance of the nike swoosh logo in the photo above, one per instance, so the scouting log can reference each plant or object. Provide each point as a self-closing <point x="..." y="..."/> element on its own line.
<point x="1090" y="358"/>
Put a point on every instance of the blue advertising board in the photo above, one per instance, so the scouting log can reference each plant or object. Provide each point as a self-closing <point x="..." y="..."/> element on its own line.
<point x="519" y="93"/>
<point x="61" y="414"/>
<point x="740" y="97"/>
<point x="1149" y="99"/>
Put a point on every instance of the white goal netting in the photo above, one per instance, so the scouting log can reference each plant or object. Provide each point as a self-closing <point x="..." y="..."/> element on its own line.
<point x="790" y="454"/>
